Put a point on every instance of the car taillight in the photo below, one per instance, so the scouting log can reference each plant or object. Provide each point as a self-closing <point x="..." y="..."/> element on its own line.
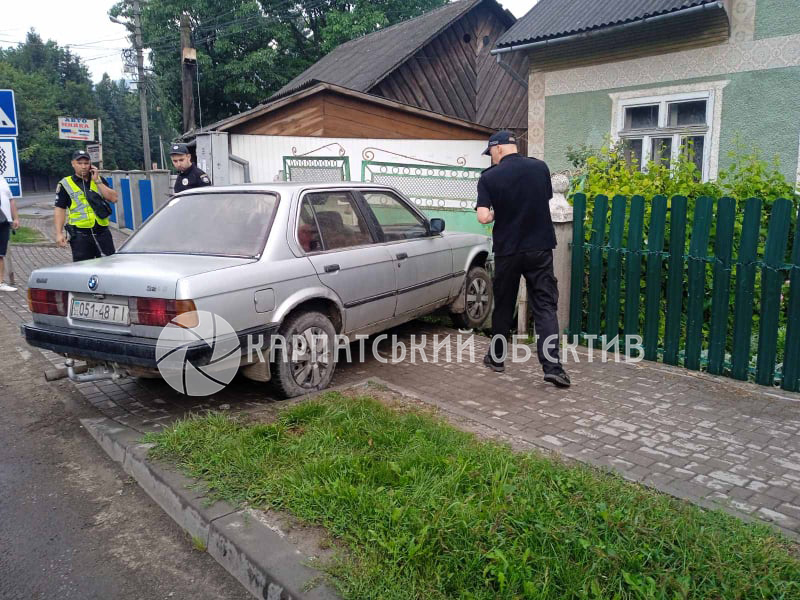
<point x="47" y="302"/>
<point x="160" y="312"/>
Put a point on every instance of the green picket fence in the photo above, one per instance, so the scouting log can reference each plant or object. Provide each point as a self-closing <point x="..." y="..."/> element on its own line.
<point x="701" y="306"/>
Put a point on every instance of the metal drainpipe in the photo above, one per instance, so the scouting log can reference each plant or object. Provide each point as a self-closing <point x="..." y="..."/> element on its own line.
<point x="595" y="32"/>
<point x="245" y="165"/>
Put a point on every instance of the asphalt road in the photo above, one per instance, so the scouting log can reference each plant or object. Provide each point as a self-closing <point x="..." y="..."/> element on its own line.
<point x="31" y="199"/>
<point x="72" y="524"/>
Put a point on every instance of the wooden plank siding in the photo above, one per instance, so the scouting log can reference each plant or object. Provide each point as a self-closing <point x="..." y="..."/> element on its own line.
<point x="456" y="75"/>
<point x="301" y="118"/>
<point x="330" y="114"/>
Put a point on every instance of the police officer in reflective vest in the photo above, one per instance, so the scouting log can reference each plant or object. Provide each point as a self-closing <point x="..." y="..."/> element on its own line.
<point x="189" y="176"/>
<point x="82" y="203"/>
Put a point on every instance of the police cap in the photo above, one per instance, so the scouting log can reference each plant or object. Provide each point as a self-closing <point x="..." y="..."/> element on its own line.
<point x="179" y="149"/>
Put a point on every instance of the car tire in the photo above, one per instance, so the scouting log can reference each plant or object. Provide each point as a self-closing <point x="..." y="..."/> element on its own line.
<point x="295" y="372"/>
<point x="480" y="297"/>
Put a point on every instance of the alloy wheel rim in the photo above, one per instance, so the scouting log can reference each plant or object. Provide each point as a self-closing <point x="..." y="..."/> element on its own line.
<point x="477" y="299"/>
<point x="310" y="360"/>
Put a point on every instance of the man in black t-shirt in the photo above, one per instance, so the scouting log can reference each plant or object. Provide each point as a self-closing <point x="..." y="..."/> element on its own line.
<point x="514" y="194"/>
<point x="189" y="176"/>
<point x="77" y="199"/>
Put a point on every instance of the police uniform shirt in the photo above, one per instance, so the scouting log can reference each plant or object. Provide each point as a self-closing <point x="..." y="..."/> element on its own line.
<point x="518" y="189"/>
<point x="191" y="178"/>
<point x="64" y="201"/>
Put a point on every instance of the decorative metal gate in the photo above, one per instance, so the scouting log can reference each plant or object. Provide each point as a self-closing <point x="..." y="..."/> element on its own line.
<point x="317" y="169"/>
<point x="439" y="190"/>
<point x="321" y="169"/>
<point x="430" y="187"/>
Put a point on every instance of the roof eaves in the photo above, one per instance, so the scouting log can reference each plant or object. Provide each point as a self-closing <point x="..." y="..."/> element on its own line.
<point x="504" y="43"/>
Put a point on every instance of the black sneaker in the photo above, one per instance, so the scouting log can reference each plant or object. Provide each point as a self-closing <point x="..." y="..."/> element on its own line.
<point x="558" y="379"/>
<point x="496" y="367"/>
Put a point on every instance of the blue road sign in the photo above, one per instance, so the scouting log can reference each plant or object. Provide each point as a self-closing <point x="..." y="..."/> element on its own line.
<point x="9" y="164"/>
<point x="8" y="113"/>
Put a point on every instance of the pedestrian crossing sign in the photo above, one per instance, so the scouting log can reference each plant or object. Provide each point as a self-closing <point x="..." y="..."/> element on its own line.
<point x="8" y="114"/>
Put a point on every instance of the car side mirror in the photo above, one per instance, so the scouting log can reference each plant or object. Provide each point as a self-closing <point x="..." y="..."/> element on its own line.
<point x="437" y="226"/>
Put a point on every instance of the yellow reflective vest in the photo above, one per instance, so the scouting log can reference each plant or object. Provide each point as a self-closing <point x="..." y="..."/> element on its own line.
<point x="81" y="213"/>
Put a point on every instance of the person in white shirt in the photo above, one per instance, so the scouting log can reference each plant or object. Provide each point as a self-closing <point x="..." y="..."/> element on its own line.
<point x="9" y="219"/>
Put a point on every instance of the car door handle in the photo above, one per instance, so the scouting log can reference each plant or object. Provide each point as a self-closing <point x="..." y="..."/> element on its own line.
<point x="331" y="268"/>
<point x="402" y="256"/>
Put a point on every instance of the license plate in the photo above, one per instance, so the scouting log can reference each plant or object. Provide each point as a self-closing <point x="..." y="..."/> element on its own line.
<point x="100" y="311"/>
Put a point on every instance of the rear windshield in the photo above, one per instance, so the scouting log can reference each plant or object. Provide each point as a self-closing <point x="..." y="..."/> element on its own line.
<point x="217" y="224"/>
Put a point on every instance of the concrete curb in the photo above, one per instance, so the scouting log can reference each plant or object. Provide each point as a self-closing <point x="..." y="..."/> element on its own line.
<point x="244" y="542"/>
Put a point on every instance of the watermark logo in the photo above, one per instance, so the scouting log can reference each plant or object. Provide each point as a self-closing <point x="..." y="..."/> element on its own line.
<point x="205" y="332"/>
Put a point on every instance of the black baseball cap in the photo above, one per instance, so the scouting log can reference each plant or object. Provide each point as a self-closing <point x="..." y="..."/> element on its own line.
<point x="499" y="138"/>
<point x="81" y="154"/>
<point x="179" y="149"/>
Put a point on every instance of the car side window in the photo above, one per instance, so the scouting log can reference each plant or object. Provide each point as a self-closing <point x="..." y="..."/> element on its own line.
<point x="330" y="220"/>
<point x="307" y="230"/>
<point x="397" y="221"/>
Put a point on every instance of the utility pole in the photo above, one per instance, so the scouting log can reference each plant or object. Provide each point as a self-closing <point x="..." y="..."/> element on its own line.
<point x="188" y="62"/>
<point x="137" y="41"/>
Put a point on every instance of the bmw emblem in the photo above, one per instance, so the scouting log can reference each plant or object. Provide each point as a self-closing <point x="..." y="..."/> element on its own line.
<point x="93" y="282"/>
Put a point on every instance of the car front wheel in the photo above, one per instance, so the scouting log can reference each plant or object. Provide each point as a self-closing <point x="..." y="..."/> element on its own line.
<point x="478" y="301"/>
<point x="308" y="358"/>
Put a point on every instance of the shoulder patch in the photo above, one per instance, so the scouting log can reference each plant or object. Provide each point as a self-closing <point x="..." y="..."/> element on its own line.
<point x="205" y="179"/>
<point x="58" y="188"/>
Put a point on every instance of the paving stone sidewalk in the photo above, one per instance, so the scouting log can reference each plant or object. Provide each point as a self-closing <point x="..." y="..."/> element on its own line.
<point x="711" y="440"/>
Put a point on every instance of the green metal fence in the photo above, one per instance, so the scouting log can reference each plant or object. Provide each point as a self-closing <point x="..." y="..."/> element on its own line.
<point x="438" y="190"/>
<point x="729" y="303"/>
<point x="319" y="169"/>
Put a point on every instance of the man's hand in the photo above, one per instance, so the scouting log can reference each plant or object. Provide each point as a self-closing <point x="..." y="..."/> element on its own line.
<point x="61" y="239"/>
<point x="485" y="215"/>
<point x="15" y="224"/>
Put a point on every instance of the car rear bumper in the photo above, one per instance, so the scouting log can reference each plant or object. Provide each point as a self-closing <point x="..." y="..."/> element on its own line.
<point x="135" y="351"/>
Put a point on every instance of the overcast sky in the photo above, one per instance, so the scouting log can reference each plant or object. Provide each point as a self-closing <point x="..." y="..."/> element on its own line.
<point x="97" y="40"/>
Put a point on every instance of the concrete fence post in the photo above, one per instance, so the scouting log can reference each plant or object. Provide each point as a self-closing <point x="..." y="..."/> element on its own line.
<point x="161" y="189"/>
<point x="561" y="213"/>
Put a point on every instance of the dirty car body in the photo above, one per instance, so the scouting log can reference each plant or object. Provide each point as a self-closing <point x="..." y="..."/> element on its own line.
<point x="284" y="258"/>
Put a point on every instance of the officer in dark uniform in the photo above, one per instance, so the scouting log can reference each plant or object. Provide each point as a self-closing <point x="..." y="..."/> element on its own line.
<point x="82" y="210"/>
<point x="515" y="193"/>
<point x="189" y="176"/>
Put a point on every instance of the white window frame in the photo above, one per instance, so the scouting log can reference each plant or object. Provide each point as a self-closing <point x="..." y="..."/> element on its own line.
<point x="711" y="92"/>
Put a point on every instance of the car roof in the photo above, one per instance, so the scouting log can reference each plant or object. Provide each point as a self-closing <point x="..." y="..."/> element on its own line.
<point x="289" y="186"/>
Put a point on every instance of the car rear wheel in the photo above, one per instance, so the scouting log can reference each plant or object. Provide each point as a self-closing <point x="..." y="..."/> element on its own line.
<point x="309" y="359"/>
<point x="478" y="302"/>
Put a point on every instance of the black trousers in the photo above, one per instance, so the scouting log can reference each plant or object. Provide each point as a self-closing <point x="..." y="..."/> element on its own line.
<point x="537" y="268"/>
<point x="91" y="243"/>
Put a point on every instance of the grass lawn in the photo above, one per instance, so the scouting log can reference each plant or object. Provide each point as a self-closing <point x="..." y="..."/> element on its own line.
<point x="27" y="235"/>
<point x="426" y="511"/>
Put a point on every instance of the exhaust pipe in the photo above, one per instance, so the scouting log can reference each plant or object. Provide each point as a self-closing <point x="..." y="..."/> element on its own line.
<point x="92" y="374"/>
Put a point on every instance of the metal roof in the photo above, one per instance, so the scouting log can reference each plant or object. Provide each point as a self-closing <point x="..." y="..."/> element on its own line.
<point x="363" y="62"/>
<point x="550" y="19"/>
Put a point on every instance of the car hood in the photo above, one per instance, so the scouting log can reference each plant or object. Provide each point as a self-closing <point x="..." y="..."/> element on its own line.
<point x="144" y="275"/>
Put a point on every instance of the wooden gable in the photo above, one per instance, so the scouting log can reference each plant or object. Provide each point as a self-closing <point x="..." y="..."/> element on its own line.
<point x="455" y="74"/>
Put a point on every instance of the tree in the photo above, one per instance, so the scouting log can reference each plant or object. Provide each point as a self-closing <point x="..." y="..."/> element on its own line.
<point x="50" y="82"/>
<point x="248" y="49"/>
